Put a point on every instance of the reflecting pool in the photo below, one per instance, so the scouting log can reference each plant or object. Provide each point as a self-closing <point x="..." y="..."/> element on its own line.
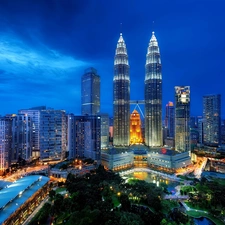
<point x="154" y="178"/>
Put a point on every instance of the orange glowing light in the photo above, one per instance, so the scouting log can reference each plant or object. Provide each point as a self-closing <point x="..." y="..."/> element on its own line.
<point x="170" y="104"/>
<point x="135" y="128"/>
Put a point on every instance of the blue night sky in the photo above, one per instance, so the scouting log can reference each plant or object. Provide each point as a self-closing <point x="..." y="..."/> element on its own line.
<point x="45" y="45"/>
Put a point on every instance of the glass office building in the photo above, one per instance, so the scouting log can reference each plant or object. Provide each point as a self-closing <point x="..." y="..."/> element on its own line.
<point x="182" y="118"/>
<point x="211" y="119"/>
<point x="90" y="92"/>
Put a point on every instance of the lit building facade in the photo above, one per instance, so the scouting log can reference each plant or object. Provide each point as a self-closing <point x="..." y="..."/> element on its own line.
<point x="71" y="136"/>
<point x="153" y="95"/>
<point x="182" y="118"/>
<point x="34" y="113"/>
<point x="200" y="131"/>
<point x="169" y="120"/>
<point x="135" y="128"/>
<point x="21" y="137"/>
<point x="121" y="96"/>
<point x="52" y="134"/>
<point x="90" y="92"/>
<point x="84" y="136"/>
<point x="5" y="142"/>
<point x="141" y="157"/>
<point x="104" y="130"/>
<point x="212" y="119"/>
<point x="223" y="132"/>
<point x="116" y="159"/>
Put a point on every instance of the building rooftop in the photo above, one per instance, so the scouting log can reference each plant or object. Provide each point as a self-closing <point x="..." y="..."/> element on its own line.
<point x="116" y="150"/>
<point x="4" y="183"/>
<point x="16" y="194"/>
<point x="163" y="151"/>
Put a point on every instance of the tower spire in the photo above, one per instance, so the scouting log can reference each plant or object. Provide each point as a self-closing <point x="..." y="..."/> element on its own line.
<point x="121" y="27"/>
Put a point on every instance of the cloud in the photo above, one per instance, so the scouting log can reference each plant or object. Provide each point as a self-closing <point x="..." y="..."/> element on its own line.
<point x="37" y="73"/>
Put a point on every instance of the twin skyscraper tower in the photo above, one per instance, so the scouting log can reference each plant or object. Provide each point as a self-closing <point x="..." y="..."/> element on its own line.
<point x="153" y="95"/>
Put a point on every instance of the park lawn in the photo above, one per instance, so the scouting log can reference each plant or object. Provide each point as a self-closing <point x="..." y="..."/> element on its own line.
<point x="195" y="214"/>
<point x="60" y="189"/>
<point x="188" y="189"/>
<point x="132" y="180"/>
<point x="195" y="206"/>
<point x="168" y="205"/>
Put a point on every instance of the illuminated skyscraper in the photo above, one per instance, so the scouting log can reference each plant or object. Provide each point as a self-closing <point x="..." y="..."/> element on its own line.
<point x="153" y="95"/>
<point x="135" y="128"/>
<point x="53" y="134"/>
<point x="84" y="136"/>
<point x="5" y="142"/>
<point x="21" y="137"/>
<point x="169" y="120"/>
<point x="121" y="96"/>
<point x="48" y="139"/>
<point x="211" y="119"/>
<point x="182" y="118"/>
<point x="90" y="92"/>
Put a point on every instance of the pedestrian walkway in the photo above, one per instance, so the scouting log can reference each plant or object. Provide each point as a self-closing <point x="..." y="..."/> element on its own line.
<point x="189" y="209"/>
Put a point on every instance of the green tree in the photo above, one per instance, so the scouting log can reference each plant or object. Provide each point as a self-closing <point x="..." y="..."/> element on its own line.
<point x="125" y="202"/>
<point x="52" y="194"/>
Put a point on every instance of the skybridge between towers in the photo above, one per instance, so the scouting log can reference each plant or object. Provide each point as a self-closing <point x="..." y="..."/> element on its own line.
<point x="137" y="103"/>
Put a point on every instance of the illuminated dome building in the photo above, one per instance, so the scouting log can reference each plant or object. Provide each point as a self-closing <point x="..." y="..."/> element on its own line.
<point x="135" y="128"/>
<point x="121" y="96"/>
<point x="153" y="95"/>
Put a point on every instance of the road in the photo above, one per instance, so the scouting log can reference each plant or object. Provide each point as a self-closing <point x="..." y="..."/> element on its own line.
<point x="24" y="172"/>
<point x="200" y="168"/>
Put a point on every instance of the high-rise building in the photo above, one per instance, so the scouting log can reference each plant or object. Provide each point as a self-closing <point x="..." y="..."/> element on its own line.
<point x="52" y="134"/>
<point x="193" y="122"/>
<point x="200" y="131"/>
<point x="169" y="119"/>
<point x="48" y="132"/>
<point x="90" y="92"/>
<point x="121" y="96"/>
<point x="5" y="142"/>
<point x="84" y="136"/>
<point x="153" y="95"/>
<point x="182" y="118"/>
<point x="34" y="113"/>
<point x="71" y="136"/>
<point x="104" y="130"/>
<point x="211" y="119"/>
<point x="135" y="128"/>
<point x="223" y="132"/>
<point x="21" y="137"/>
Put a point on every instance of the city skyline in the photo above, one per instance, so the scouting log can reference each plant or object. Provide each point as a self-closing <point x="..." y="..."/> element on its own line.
<point x="47" y="45"/>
